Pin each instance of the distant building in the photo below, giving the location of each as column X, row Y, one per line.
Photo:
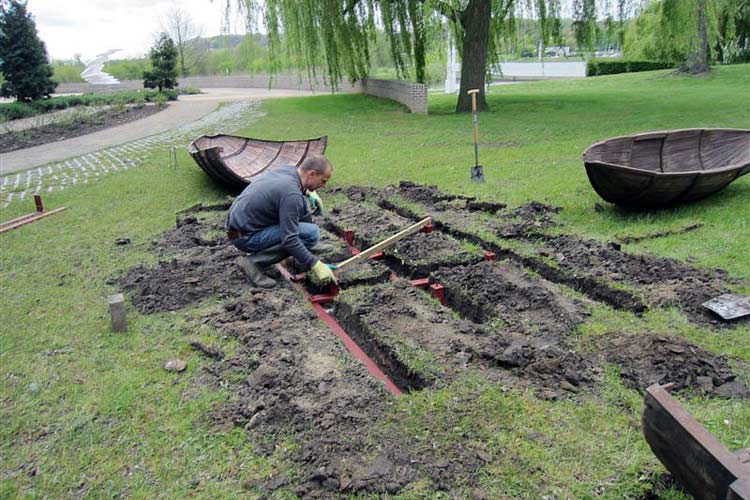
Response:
column 558, row 52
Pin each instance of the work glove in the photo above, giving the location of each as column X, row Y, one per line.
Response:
column 316, row 204
column 322, row 274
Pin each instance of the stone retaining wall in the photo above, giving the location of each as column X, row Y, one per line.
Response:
column 411, row 95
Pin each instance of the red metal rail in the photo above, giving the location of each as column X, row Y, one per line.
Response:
column 29, row 218
column 352, row 347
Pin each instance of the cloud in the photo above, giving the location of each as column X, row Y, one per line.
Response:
column 93, row 26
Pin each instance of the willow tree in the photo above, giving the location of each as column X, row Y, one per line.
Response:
column 335, row 34
column 693, row 33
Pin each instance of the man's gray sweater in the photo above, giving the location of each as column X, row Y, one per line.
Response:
column 274, row 198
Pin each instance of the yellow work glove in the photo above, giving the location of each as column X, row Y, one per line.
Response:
column 322, row 274
column 316, row 204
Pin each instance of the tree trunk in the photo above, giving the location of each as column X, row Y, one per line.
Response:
column 475, row 22
column 697, row 62
column 416, row 15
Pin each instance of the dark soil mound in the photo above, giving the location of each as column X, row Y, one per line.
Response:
column 179, row 282
column 646, row 359
column 662, row 281
column 504, row 291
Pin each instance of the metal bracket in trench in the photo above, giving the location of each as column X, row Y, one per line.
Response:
column 317, row 301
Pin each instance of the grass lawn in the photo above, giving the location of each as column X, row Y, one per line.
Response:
column 90, row 413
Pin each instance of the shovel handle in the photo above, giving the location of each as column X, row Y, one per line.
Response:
column 473, row 93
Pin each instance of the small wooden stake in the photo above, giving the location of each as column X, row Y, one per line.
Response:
column 117, row 312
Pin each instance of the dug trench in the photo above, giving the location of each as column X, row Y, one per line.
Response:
column 518, row 320
column 602, row 271
column 292, row 379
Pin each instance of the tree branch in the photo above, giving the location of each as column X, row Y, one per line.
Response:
column 446, row 10
column 350, row 7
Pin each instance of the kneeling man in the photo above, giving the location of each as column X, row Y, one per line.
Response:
column 271, row 220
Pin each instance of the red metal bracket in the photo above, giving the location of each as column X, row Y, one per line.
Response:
column 438, row 291
column 349, row 237
column 321, row 298
column 427, row 229
column 488, row 256
column 420, row 283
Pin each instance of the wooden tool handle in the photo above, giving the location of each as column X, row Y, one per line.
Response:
column 473, row 93
column 384, row 244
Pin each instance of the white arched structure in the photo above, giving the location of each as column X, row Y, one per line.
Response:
column 93, row 72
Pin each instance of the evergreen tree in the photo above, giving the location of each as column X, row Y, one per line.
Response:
column 163, row 74
column 23, row 56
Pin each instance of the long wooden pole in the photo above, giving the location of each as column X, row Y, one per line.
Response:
column 384, row 244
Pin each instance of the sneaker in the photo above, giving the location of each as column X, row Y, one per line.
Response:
column 321, row 248
column 255, row 273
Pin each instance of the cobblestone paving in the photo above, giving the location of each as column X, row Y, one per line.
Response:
column 82, row 169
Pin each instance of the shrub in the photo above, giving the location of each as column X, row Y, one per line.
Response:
column 16, row 110
column 598, row 67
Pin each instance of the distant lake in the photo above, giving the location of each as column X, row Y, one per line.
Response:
column 542, row 70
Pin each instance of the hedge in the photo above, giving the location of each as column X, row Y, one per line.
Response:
column 16, row 110
column 597, row 67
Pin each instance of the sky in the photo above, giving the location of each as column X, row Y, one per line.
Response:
column 90, row 27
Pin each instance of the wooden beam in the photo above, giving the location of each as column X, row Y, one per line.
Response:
column 384, row 244
column 697, row 460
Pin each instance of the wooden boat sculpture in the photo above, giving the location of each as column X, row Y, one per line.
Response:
column 233, row 160
column 657, row 169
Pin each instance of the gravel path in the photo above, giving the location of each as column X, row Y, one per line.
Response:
column 91, row 165
column 54, row 166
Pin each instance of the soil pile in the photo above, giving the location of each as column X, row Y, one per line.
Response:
column 422, row 344
column 646, row 359
column 662, row 281
column 503, row 291
column 202, row 265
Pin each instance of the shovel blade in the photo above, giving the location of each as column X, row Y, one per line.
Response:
column 477, row 174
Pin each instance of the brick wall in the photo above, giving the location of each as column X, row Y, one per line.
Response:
column 411, row 95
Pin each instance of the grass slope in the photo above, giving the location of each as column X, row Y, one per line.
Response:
column 90, row 413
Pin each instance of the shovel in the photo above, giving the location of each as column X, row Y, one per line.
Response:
column 477, row 172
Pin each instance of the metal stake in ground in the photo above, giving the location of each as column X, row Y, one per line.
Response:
column 477, row 172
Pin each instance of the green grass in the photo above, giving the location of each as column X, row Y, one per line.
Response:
column 104, row 419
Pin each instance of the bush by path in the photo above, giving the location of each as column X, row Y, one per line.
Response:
column 16, row 110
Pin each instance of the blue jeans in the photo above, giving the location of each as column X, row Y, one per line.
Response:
column 271, row 235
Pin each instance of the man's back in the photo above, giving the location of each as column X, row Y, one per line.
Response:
column 259, row 205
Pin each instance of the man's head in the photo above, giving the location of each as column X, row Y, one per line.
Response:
column 314, row 172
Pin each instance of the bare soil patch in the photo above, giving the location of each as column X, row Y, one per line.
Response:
column 292, row 380
column 647, row 359
column 74, row 125
column 602, row 271
column 416, row 256
column 423, row 344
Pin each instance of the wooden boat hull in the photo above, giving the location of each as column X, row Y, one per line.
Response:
column 697, row 460
column 659, row 169
column 233, row 160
